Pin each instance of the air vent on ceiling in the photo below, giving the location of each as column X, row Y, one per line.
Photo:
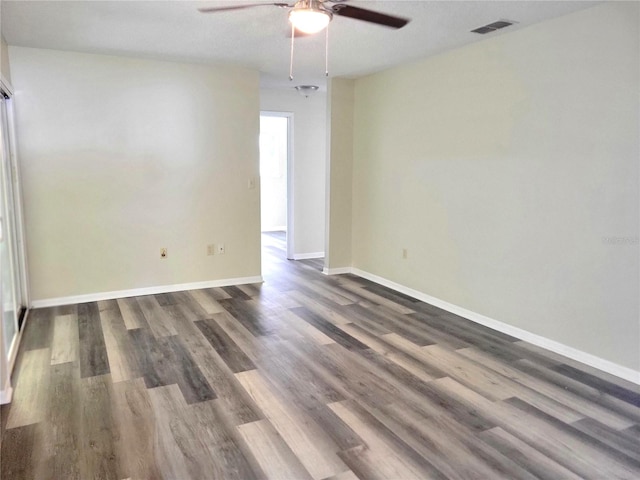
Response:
column 492, row 27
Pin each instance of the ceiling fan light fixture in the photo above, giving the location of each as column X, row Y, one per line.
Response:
column 309, row 20
column 306, row 90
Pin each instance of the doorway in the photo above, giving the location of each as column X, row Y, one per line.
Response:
column 276, row 209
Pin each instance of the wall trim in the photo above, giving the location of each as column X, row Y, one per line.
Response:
column 538, row 340
column 136, row 292
column 6, row 395
column 588, row 359
column 337, row 271
column 308, row 256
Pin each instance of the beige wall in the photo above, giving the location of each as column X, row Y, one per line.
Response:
column 121, row 157
column 509, row 170
column 5, row 69
column 309, row 163
column 339, row 187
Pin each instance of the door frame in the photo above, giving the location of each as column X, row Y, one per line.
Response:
column 290, row 182
column 17, row 193
column 7, row 359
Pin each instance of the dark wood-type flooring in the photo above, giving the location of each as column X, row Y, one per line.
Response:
column 303, row 377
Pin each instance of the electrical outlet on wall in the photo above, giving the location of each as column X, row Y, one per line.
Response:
column 163, row 253
column 220, row 249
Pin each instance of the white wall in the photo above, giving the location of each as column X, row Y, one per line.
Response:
column 309, row 163
column 506, row 168
column 121, row 157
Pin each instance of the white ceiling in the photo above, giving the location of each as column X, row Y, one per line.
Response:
column 257, row 38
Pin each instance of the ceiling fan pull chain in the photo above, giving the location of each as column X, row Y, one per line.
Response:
column 293, row 31
column 326, row 53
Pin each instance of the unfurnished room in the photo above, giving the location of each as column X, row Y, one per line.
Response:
column 321, row 240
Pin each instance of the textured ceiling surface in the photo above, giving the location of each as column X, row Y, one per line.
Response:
column 257, row 38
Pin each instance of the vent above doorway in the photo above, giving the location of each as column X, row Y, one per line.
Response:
column 492, row 27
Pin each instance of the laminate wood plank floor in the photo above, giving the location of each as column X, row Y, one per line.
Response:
column 303, row 377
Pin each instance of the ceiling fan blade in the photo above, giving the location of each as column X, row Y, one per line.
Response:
column 242, row 7
column 369, row 16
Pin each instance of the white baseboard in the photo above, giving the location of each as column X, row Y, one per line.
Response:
column 337, row 271
column 308, row 256
column 538, row 340
column 6, row 395
column 275, row 229
column 136, row 292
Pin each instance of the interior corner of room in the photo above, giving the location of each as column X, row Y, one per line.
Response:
column 508, row 195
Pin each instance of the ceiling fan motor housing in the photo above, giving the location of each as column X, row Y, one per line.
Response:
column 310, row 16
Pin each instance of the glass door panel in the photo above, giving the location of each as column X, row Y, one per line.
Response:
column 8, row 253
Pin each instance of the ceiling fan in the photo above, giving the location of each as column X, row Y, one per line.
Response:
column 312, row 16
